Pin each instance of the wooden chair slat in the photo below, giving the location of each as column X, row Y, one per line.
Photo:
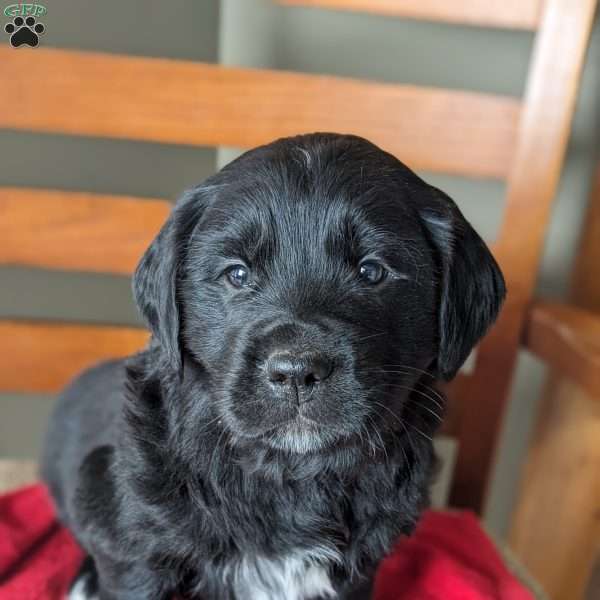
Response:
column 558, row 506
column 510, row 14
column 76, row 231
column 454, row 391
column 586, row 289
column 568, row 339
column 564, row 459
column 192, row 103
column 41, row 357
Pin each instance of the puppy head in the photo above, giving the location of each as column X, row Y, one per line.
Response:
column 313, row 281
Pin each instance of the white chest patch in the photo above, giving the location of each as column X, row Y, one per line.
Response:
column 78, row 591
column 293, row 578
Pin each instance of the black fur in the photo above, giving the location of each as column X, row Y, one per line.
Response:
column 171, row 466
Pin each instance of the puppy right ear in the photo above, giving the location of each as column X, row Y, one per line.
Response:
column 156, row 276
column 472, row 287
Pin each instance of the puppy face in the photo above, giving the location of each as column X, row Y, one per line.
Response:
column 301, row 297
column 314, row 281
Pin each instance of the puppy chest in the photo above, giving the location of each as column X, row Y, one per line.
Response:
column 293, row 577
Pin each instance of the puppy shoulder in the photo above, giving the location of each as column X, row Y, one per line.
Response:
column 95, row 497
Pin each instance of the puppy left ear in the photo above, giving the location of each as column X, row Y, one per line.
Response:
column 156, row 276
column 472, row 285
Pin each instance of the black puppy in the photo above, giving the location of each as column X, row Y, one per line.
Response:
column 274, row 439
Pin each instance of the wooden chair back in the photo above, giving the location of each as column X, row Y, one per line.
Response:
column 566, row 437
column 177, row 102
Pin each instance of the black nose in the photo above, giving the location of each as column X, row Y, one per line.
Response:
column 301, row 370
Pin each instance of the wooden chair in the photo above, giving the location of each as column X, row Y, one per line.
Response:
column 559, row 500
column 457, row 132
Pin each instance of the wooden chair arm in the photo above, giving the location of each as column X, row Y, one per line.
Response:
column 568, row 338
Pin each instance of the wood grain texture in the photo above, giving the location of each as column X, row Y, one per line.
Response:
column 191, row 103
column 43, row 356
column 585, row 290
column 550, row 95
column 568, row 339
column 556, row 529
column 454, row 391
column 558, row 503
column 514, row 14
column 76, row 231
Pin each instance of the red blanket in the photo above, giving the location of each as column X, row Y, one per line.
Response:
column 448, row 558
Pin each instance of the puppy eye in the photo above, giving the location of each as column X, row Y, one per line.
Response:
column 238, row 275
column 371, row 272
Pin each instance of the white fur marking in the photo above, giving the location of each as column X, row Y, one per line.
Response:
column 78, row 591
column 306, row 154
column 294, row 577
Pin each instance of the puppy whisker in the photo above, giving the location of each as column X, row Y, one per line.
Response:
column 411, row 368
column 431, row 411
column 373, row 335
column 436, row 397
column 408, row 437
column 370, row 442
column 375, row 429
column 399, row 420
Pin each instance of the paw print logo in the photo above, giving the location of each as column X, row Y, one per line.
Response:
column 24, row 32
